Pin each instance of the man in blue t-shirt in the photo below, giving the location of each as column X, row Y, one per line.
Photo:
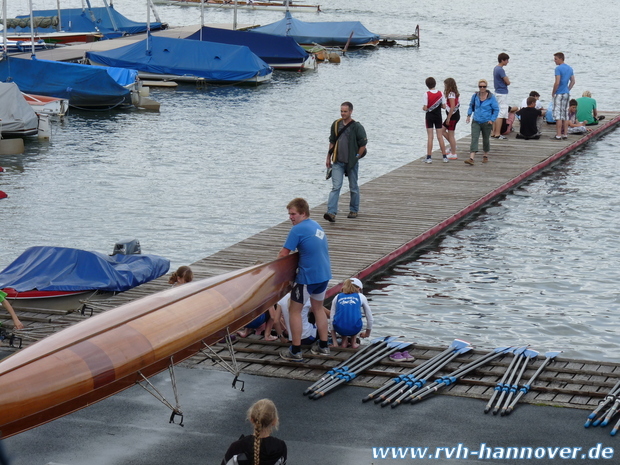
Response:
column 501, row 83
column 564, row 82
column 313, row 275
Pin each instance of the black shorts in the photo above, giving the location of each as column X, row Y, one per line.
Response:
column 433, row 120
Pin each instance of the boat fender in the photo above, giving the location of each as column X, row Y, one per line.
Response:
column 3, row 195
column 1, row 169
column 334, row 57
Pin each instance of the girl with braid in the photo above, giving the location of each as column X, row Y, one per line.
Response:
column 261, row 448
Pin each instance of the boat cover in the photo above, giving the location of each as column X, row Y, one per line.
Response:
column 64, row 269
column 211, row 61
column 83, row 85
column 18, row 117
column 99, row 19
column 329, row 34
column 273, row 49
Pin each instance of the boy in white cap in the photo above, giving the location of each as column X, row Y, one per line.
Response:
column 346, row 314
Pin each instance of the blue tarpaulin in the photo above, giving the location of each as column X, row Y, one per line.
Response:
column 64, row 269
column 273, row 49
column 99, row 19
column 329, row 34
column 84, row 85
column 186, row 59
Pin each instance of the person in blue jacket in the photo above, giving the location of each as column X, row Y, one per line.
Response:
column 484, row 108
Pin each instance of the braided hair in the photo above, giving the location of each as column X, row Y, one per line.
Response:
column 264, row 416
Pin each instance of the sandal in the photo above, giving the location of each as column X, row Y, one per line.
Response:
column 485, row 159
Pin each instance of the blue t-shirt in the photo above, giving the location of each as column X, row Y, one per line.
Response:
column 309, row 239
column 498, row 80
column 565, row 72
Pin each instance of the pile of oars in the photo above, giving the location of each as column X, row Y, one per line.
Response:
column 453, row 377
column 397, row 389
column 607, row 408
column 354, row 365
column 509, row 384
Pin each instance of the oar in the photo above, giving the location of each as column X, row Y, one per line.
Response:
column 394, row 382
column 345, row 377
column 609, row 415
column 454, row 377
column 421, row 382
column 374, row 345
column 529, row 354
column 500, row 384
column 603, row 403
column 526, row 387
column 506, row 386
column 416, row 379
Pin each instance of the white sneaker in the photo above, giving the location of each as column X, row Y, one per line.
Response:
column 445, row 159
column 502, row 137
column 453, row 156
column 428, row 160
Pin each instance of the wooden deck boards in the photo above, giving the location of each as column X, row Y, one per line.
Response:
column 400, row 212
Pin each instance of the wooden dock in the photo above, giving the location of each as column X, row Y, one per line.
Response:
column 400, row 212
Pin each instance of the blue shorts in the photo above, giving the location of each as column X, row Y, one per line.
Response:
column 259, row 320
column 301, row 292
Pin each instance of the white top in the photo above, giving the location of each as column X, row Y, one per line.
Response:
column 538, row 104
column 308, row 329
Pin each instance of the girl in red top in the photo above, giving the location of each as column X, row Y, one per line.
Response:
column 451, row 93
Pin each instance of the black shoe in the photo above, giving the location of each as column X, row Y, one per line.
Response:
column 330, row 217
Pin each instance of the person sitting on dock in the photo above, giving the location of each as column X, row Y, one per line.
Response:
column 346, row 314
column 347, row 144
column 529, row 115
column 261, row 448
column 9, row 308
column 308, row 330
column 182, row 275
column 575, row 126
column 433, row 102
column 586, row 109
column 484, row 109
column 313, row 275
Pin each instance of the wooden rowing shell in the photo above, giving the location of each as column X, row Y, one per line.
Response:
column 105, row 354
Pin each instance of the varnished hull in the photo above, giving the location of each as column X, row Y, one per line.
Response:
column 105, row 354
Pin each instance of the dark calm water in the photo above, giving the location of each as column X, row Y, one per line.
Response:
column 218, row 165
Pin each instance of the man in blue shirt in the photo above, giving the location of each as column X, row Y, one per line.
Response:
column 313, row 275
column 564, row 82
column 501, row 83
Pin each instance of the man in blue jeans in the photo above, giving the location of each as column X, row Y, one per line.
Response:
column 347, row 144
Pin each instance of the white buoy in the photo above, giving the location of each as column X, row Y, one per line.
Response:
column 45, row 131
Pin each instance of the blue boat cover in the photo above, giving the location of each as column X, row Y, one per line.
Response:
column 329, row 34
column 190, row 58
column 97, row 19
column 273, row 49
column 83, row 85
column 64, row 269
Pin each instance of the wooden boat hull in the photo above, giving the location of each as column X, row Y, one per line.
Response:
column 56, row 300
column 108, row 353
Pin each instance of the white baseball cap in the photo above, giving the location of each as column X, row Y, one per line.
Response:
column 357, row 282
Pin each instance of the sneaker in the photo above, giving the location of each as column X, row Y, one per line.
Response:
column 402, row 356
column 330, row 217
column 469, row 161
column 428, row 160
column 485, row 159
column 502, row 137
column 600, row 117
column 316, row 350
column 352, row 215
column 555, row 138
column 286, row 354
column 445, row 159
column 453, row 156
column 564, row 137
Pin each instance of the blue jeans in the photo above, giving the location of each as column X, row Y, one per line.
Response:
column 334, row 195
